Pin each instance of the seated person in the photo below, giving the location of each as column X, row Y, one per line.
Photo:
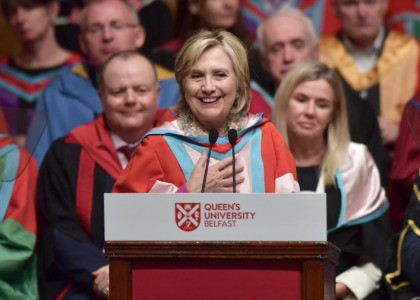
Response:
column 24, row 76
column 286, row 39
column 212, row 70
column 374, row 63
column 80, row 168
column 107, row 27
column 310, row 112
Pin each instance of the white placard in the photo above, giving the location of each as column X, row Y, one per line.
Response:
column 215, row 217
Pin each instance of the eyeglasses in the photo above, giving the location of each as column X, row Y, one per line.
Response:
column 354, row 3
column 115, row 26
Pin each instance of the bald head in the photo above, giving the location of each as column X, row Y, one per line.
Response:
column 129, row 93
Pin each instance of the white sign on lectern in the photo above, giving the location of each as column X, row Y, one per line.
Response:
column 215, row 217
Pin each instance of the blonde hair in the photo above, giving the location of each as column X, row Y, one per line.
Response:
column 203, row 40
column 336, row 135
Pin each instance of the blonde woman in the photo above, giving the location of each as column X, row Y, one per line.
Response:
column 213, row 74
column 310, row 112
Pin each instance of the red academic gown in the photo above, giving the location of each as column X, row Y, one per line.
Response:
column 74, row 176
column 166, row 157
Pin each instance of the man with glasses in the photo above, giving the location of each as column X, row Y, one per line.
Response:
column 377, row 64
column 107, row 27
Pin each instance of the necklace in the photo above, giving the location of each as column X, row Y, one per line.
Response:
column 191, row 127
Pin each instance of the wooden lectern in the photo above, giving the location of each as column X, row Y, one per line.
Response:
column 144, row 269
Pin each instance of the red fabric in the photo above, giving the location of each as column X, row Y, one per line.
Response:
column 273, row 163
column 406, row 162
column 157, row 162
column 3, row 123
column 27, row 86
column 95, row 139
column 168, row 172
column 97, row 147
column 85, row 186
column 64, row 292
column 259, row 105
column 234, row 280
column 127, row 151
column 21, row 206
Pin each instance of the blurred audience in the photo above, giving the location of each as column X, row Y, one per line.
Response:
column 24, row 76
column 310, row 112
column 80, row 168
column 376, row 64
column 67, row 27
column 405, row 162
column 285, row 40
column 155, row 15
column 156, row 18
column 107, row 27
column 194, row 15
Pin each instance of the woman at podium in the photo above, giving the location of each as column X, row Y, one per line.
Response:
column 194, row 152
column 310, row 112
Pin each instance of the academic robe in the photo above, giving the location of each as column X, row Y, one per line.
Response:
column 356, row 215
column 18, row 228
column 404, row 261
column 166, row 157
column 77, row 171
column 390, row 84
column 20, row 88
column 406, row 162
column 72, row 100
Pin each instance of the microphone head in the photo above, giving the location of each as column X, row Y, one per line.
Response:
column 213, row 136
column 233, row 136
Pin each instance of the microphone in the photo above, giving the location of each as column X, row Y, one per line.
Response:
column 213, row 136
column 233, row 136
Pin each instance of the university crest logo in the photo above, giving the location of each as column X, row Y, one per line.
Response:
column 187, row 215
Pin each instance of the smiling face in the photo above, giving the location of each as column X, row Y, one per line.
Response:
column 287, row 43
column 210, row 88
column 109, row 27
column 216, row 13
column 129, row 96
column 310, row 110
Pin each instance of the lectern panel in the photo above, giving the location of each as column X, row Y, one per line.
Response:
column 233, row 280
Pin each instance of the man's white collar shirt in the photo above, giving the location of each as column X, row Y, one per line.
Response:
column 365, row 60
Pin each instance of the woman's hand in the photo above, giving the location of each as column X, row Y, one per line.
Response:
column 101, row 284
column 219, row 176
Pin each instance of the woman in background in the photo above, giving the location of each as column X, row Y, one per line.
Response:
column 310, row 112
column 194, row 15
